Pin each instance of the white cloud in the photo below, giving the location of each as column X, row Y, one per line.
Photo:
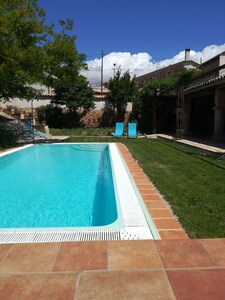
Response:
column 141, row 63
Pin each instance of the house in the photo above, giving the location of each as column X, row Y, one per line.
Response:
column 169, row 71
column 204, row 100
column 200, row 108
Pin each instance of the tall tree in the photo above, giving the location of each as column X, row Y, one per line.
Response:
column 122, row 89
column 62, row 69
column 33, row 52
column 74, row 95
column 159, row 93
column 22, row 31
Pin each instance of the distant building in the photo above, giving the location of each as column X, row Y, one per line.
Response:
column 169, row 71
column 100, row 93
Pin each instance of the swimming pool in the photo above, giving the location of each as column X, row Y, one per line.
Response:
column 57, row 186
column 46, row 195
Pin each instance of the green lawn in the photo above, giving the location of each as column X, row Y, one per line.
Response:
column 191, row 182
column 83, row 131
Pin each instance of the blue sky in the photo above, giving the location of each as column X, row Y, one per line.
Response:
column 160, row 28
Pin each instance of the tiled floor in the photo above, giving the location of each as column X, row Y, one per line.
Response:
column 172, row 268
column 166, row 269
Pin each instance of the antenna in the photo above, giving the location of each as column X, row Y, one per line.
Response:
column 102, row 73
column 114, row 69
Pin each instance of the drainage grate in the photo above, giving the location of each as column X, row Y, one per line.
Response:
column 44, row 236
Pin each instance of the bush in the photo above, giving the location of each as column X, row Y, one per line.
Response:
column 8, row 136
column 179, row 133
column 91, row 119
column 57, row 117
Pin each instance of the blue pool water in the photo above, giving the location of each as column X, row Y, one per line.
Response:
column 61, row 185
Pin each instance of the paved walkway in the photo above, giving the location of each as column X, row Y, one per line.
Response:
column 215, row 148
column 172, row 268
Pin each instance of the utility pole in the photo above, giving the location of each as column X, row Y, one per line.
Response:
column 102, row 74
column 114, row 70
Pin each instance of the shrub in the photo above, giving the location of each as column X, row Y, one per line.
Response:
column 91, row 119
column 8, row 136
column 179, row 133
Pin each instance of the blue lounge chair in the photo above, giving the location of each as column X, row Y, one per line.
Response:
column 132, row 130
column 119, row 129
column 33, row 131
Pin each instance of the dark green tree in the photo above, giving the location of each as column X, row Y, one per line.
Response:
column 74, row 95
column 63, row 68
column 158, row 97
column 33, row 52
column 122, row 89
column 22, row 32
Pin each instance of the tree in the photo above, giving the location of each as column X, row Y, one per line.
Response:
column 122, row 89
column 74, row 95
column 22, row 31
column 33, row 52
column 158, row 97
column 63, row 68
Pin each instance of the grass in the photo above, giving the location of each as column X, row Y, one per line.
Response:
column 103, row 131
column 191, row 182
column 193, row 185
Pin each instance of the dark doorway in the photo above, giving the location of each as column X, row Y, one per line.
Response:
column 166, row 114
column 202, row 115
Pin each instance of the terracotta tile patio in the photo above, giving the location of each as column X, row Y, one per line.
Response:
column 164, row 269
column 172, row 268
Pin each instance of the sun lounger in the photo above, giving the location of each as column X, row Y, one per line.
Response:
column 33, row 131
column 132, row 130
column 119, row 129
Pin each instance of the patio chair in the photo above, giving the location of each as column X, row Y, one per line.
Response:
column 34, row 131
column 132, row 130
column 119, row 129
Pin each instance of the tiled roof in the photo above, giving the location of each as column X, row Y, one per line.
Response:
column 205, row 83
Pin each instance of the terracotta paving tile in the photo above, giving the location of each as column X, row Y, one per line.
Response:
column 141, row 181
column 160, row 213
column 153, row 197
column 30, row 258
column 198, row 284
column 167, row 224
column 173, row 235
column 128, row 255
column 81, row 256
column 139, row 176
column 133, row 168
column 143, row 186
column 139, row 172
column 143, row 285
column 132, row 163
column 147, row 190
column 216, row 249
column 38, row 286
column 155, row 204
column 183, row 254
column 4, row 249
column 129, row 158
